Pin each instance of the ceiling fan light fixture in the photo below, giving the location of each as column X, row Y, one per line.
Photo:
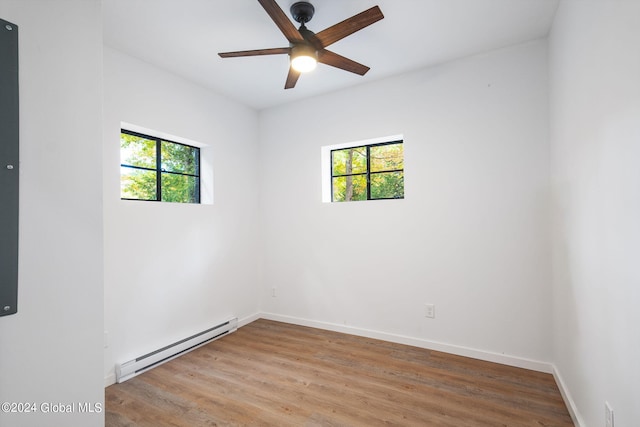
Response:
column 304, row 58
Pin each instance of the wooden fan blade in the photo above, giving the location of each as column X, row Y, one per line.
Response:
column 256, row 52
column 349, row 26
column 292, row 78
column 339, row 61
column 281, row 20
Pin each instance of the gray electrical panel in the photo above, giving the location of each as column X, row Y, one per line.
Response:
column 9, row 168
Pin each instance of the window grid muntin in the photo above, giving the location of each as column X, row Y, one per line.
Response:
column 158, row 169
column 368, row 172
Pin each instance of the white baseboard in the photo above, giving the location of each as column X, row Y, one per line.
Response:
column 503, row 359
column 109, row 379
column 568, row 400
column 246, row 320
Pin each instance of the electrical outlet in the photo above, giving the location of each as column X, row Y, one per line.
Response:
column 273, row 292
column 106, row 339
column 430, row 311
column 608, row 414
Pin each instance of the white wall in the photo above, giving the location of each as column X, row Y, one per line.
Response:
column 51, row 350
column 595, row 134
column 472, row 234
column 172, row 270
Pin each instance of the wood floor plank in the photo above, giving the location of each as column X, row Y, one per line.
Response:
column 277, row 374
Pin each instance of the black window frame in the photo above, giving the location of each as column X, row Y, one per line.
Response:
column 158, row 169
column 368, row 172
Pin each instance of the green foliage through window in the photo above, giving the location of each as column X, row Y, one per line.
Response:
column 158, row 170
column 368, row 172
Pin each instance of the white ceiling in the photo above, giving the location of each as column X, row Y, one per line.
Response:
column 184, row 37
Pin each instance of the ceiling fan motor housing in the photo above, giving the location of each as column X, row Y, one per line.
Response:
column 302, row 11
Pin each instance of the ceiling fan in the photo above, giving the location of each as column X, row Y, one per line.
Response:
column 306, row 48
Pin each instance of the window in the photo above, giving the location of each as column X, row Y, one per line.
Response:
column 368, row 172
column 158, row 170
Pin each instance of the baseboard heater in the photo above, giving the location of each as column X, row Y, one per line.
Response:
column 130, row 369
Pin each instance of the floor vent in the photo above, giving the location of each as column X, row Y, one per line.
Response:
column 130, row 369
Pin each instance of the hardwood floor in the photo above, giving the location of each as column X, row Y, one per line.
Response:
column 276, row 374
